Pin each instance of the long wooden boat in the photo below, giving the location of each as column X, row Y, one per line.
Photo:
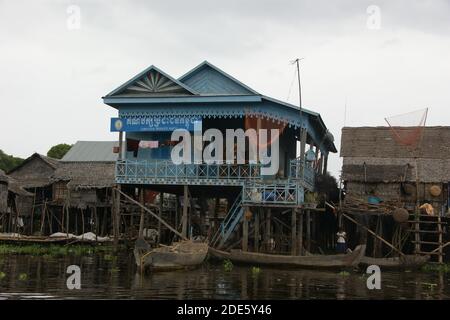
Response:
column 403, row 262
column 180, row 255
column 308, row 261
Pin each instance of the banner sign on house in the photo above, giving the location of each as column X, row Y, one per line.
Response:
column 152, row 124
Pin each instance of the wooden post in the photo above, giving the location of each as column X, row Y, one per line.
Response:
column 294, row 232
column 67, row 220
column 116, row 215
column 268, row 227
column 161, row 207
column 76, row 221
column 325, row 164
column 303, row 138
column 142, row 219
column 42, row 217
column 300, row 233
column 62, row 217
column 245, row 230
column 32, row 212
column 97, row 227
column 440, row 257
column 308, row 230
column 184, row 218
column 256, row 227
column 82, row 221
column 120, row 145
column 177, row 212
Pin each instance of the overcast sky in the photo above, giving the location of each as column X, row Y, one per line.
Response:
column 53, row 74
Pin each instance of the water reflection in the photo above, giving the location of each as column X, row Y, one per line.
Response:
column 27, row 277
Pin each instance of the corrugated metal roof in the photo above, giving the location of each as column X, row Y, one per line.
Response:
column 92, row 151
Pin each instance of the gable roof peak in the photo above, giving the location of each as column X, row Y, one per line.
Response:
column 214, row 81
column 152, row 81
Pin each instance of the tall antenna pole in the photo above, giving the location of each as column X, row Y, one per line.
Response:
column 297, row 61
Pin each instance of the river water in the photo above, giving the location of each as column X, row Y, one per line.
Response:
column 107, row 277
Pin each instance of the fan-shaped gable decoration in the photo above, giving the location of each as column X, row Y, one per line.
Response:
column 152, row 82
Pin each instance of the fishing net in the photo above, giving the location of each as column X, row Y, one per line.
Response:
column 407, row 128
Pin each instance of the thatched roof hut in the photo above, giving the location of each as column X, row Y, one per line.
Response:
column 35, row 171
column 371, row 154
column 85, row 175
column 3, row 191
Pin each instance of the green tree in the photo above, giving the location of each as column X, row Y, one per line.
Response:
column 59, row 150
column 8, row 162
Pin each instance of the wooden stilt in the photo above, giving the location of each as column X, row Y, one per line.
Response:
column 440, row 257
column 82, row 221
column 300, row 233
column 67, row 220
column 256, row 228
column 32, row 212
column 142, row 218
column 184, row 218
column 97, row 227
column 294, row 232
column 117, row 215
column 267, row 237
column 245, row 230
column 160, row 213
column 49, row 220
column 42, row 217
column 308, row 230
column 63, row 213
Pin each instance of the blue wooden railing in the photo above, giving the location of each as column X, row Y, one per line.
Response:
column 280, row 193
column 166, row 172
column 302, row 171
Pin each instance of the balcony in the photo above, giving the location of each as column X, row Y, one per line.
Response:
column 289, row 193
column 303, row 172
column 166, row 172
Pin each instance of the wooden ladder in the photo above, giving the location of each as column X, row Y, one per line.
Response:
column 422, row 228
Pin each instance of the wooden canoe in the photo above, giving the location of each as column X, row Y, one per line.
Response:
column 180, row 255
column 404, row 262
column 308, row 261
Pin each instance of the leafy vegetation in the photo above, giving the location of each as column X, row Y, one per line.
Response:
column 255, row 272
column 227, row 265
column 23, row 276
column 52, row 250
column 433, row 267
column 58, row 151
column 8, row 162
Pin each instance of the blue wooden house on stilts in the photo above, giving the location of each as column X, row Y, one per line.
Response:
column 153, row 104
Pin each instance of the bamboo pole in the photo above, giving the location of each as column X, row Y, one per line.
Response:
column 374, row 234
column 153, row 214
